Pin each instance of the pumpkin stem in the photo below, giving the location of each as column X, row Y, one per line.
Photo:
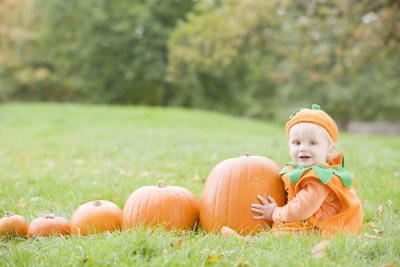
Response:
column 162, row 184
column 97, row 203
column 49, row 216
column 9, row 214
column 245, row 154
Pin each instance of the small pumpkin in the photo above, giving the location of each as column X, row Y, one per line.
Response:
column 13, row 225
column 231, row 188
column 96, row 217
column 173, row 207
column 48, row 225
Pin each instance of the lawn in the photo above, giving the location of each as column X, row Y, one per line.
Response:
column 55, row 157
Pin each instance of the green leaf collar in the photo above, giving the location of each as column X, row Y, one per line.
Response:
column 324, row 173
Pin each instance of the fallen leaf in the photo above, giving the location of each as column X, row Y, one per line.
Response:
column 371, row 224
column 371, row 236
column 318, row 251
column 241, row 262
column 377, row 232
column 196, row 178
column 180, row 241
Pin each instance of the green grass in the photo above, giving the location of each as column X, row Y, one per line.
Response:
column 55, row 157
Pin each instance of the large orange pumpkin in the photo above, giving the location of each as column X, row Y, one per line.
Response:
column 48, row 225
column 173, row 207
column 96, row 217
column 231, row 188
column 13, row 225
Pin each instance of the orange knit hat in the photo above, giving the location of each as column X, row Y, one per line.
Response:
column 314, row 115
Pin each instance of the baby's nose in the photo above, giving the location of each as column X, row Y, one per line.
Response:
column 303, row 147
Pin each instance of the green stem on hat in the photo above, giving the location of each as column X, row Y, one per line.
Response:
column 315, row 107
column 291, row 116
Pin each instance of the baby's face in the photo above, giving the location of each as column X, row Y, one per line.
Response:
column 308, row 144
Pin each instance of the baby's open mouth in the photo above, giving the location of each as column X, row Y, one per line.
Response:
column 305, row 157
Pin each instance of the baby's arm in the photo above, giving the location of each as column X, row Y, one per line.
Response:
column 303, row 205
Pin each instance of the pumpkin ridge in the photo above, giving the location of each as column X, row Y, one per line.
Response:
column 130, row 206
column 233, row 170
column 172, row 212
column 143, row 199
column 236, row 168
column 142, row 204
column 164, row 196
column 182, row 204
column 188, row 198
column 154, row 196
column 176, row 213
column 253, row 169
column 214, row 199
column 225, row 191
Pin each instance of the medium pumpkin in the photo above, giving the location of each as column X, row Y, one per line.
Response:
column 48, row 225
column 96, row 217
column 173, row 207
column 231, row 188
column 13, row 225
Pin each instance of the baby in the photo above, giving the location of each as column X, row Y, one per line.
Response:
column 320, row 197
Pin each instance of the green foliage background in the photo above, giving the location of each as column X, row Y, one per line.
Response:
column 255, row 58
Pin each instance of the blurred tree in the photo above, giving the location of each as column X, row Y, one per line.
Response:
column 220, row 59
column 346, row 57
column 255, row 55
column 111, row 51
column 19, row 65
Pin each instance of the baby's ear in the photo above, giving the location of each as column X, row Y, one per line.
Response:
column 331, row 150
column 332, row 147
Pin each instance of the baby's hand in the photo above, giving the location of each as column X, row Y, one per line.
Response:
column 264, row 210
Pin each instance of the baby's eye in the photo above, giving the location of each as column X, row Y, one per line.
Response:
column 313, row 143
column 296, row 143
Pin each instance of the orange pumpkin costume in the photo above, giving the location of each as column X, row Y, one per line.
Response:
column 333, row 206
column 320, row 197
